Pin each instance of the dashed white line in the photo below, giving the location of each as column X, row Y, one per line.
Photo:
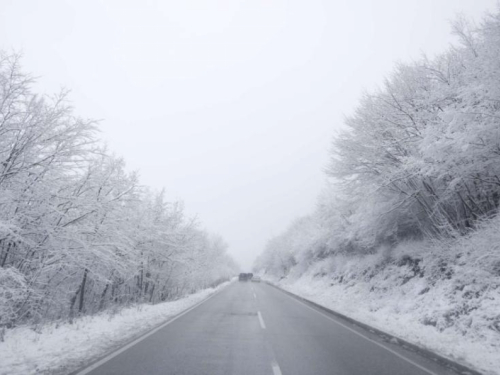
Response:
column 276, row 368
column 255, row 295
column 261, row 320
column 274, row 364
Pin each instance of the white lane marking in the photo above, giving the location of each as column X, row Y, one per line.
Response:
column 276, row 368
column 261, row 320
column 366, row 338
column 128, row 346
column 254, row 295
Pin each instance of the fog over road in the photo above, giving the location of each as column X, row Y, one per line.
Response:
column 252, row 328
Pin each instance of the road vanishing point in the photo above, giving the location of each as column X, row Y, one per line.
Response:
column 252, row 328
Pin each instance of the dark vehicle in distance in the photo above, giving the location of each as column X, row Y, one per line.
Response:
column 245, row 276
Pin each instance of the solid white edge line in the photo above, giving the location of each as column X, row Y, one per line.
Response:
column 261, row 320
column 366, row 338
column 136, row 341
column 276, row 368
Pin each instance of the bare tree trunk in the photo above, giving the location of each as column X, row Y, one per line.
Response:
column 4, row 260
column 103, row 295
column 82, row 290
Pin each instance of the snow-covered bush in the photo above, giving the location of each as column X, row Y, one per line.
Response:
column 13, row 292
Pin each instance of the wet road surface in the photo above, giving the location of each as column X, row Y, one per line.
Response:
column 252, row 328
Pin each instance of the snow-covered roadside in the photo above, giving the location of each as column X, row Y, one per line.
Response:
column 62, row 348
column 412, row 310
column 472, row 354
column 442, row 295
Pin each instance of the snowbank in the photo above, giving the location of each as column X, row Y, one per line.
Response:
column 62, row 348
column 443, row 296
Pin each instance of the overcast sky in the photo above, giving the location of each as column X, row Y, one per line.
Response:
column 228, row 104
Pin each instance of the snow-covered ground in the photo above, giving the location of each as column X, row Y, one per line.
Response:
column 62, row 348
column 447, row 301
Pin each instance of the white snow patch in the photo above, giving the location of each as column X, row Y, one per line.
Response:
column 441, row 295
column 62, row 348
column 478, row 350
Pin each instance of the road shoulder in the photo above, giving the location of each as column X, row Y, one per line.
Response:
column 391, row 342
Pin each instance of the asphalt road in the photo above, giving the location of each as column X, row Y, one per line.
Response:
column 252, row 328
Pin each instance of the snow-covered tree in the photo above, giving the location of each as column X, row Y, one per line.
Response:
column 78, row 234
column 419, row 157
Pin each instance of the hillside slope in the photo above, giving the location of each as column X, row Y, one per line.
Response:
column 441, row 295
